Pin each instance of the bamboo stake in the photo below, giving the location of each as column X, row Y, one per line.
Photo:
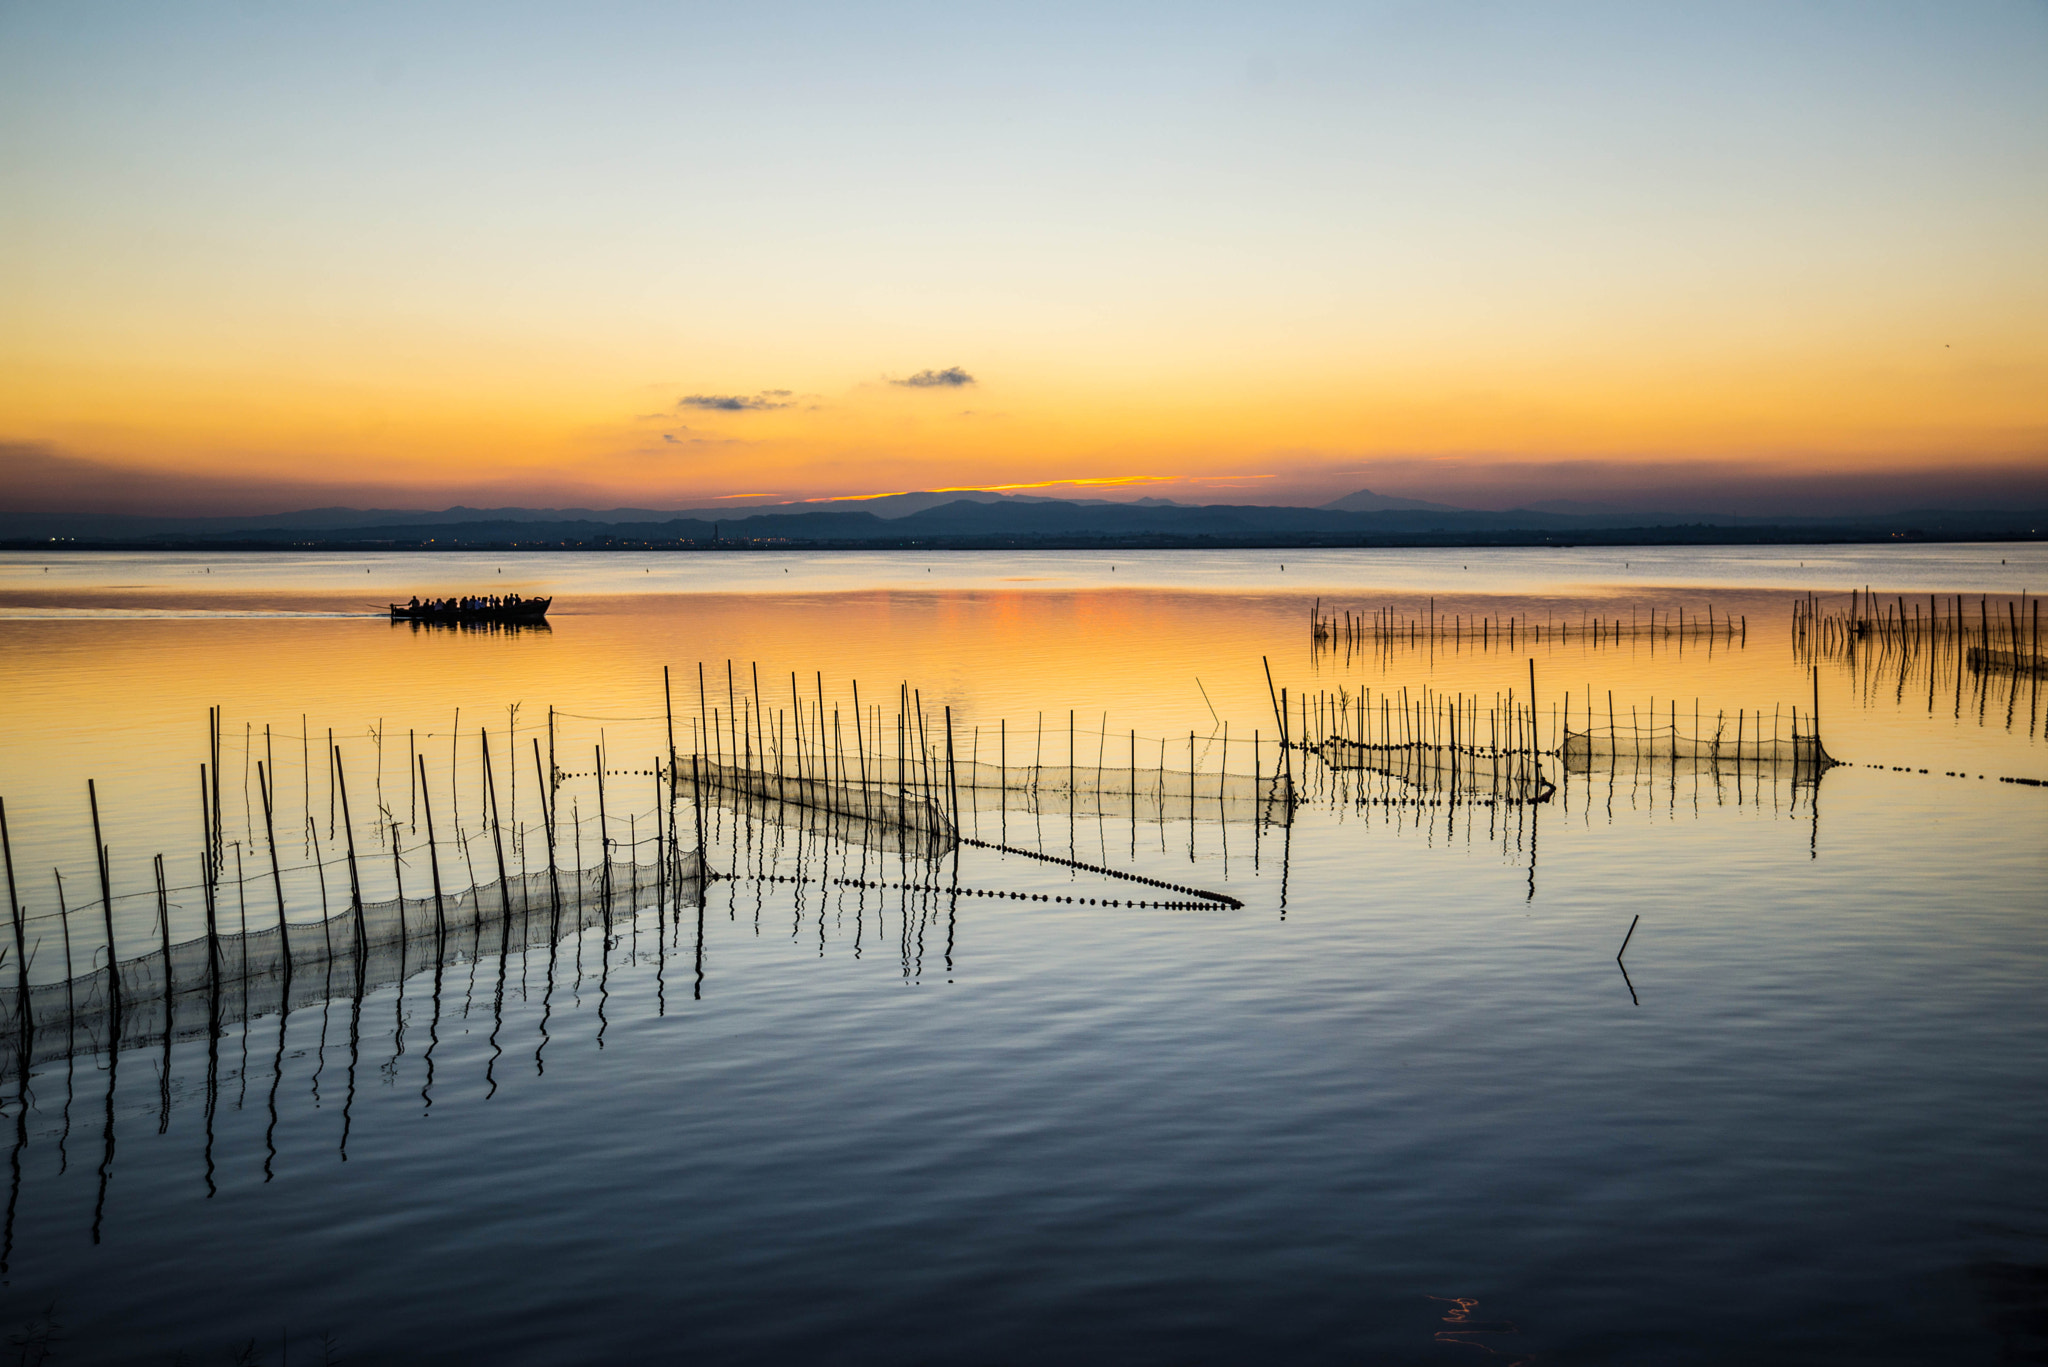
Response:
column 20, row 930
column 355, row 882
column 284, row 942
column 433, row 855
column 107, row 912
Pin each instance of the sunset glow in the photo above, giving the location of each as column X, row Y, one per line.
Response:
column 647, row 264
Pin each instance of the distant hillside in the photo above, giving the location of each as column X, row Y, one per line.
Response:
column 1366, row 501
column 983, row 521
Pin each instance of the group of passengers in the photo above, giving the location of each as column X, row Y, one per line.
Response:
column 483, row 602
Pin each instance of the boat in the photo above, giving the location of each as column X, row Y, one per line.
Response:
column 473, row 609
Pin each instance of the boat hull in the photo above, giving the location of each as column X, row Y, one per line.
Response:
column 529, row 613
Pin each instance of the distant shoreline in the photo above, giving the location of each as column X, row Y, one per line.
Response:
column 1789, row 535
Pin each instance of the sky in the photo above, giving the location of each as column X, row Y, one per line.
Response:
column 258, row 257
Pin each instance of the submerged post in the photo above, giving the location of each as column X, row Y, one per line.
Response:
column 355, row 882
column 206, row 884
column 547, row 816
column 107, row 911
column 497, row 830
column 14, row 912
column 697, row 799
column 604, row 840
column 664, row 835
column 398, row 883
column 953, row 782
column 163, row 925
column 433, row 855
column 284, row 942
column 668, row 704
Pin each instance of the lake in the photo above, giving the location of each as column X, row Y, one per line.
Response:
column 1164, row 1043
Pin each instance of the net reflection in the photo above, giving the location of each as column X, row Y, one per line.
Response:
column 577, row 928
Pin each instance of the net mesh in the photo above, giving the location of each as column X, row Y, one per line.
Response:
column 1475, row 773
column 861, row 813
column 1731, row 743
column 918, row 819
column 203, row 985
column 1124, row 791
column 2006, row 662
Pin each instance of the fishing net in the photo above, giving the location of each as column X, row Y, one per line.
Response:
column 203, row 985
column 867, row 814
column 915, row 819
column 1741, row 741
column 2006, row 662
column 1125, row 792
column 1470, row 773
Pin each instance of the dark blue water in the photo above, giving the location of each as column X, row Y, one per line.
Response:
column 1403, row 1106
column 1417, row 1111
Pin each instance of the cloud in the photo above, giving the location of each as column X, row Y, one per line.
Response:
column 35, row 477
column 952, row 377
column 737, row 403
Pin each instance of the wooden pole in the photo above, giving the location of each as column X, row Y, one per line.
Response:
column 703, row 708
column 213, row 723
column 547, row 819
column 163, row 926
column 860, row 750
column 760, row 738
column 604, row 842
column 107, row 913
column 497, row 829
column 1533, row 738
column 433, row 854
column 206, row 886
column 398, row 878
column 697, row 800
column 953, row 781
column 20, row 931
column 355, row 882
column 284, row 943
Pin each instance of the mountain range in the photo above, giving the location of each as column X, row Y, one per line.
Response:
column 979, row 518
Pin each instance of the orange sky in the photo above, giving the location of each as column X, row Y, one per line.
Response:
column 1266, row 263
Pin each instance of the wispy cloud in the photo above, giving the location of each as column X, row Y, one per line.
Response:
column 676, row 439
column 952, row 377
column 853, row 498
column 737, row 403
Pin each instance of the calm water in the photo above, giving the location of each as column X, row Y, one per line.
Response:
column 1403, row 1106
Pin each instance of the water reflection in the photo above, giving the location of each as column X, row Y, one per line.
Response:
column 1199, row 1071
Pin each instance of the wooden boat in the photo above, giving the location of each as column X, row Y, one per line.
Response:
column 526, row 611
